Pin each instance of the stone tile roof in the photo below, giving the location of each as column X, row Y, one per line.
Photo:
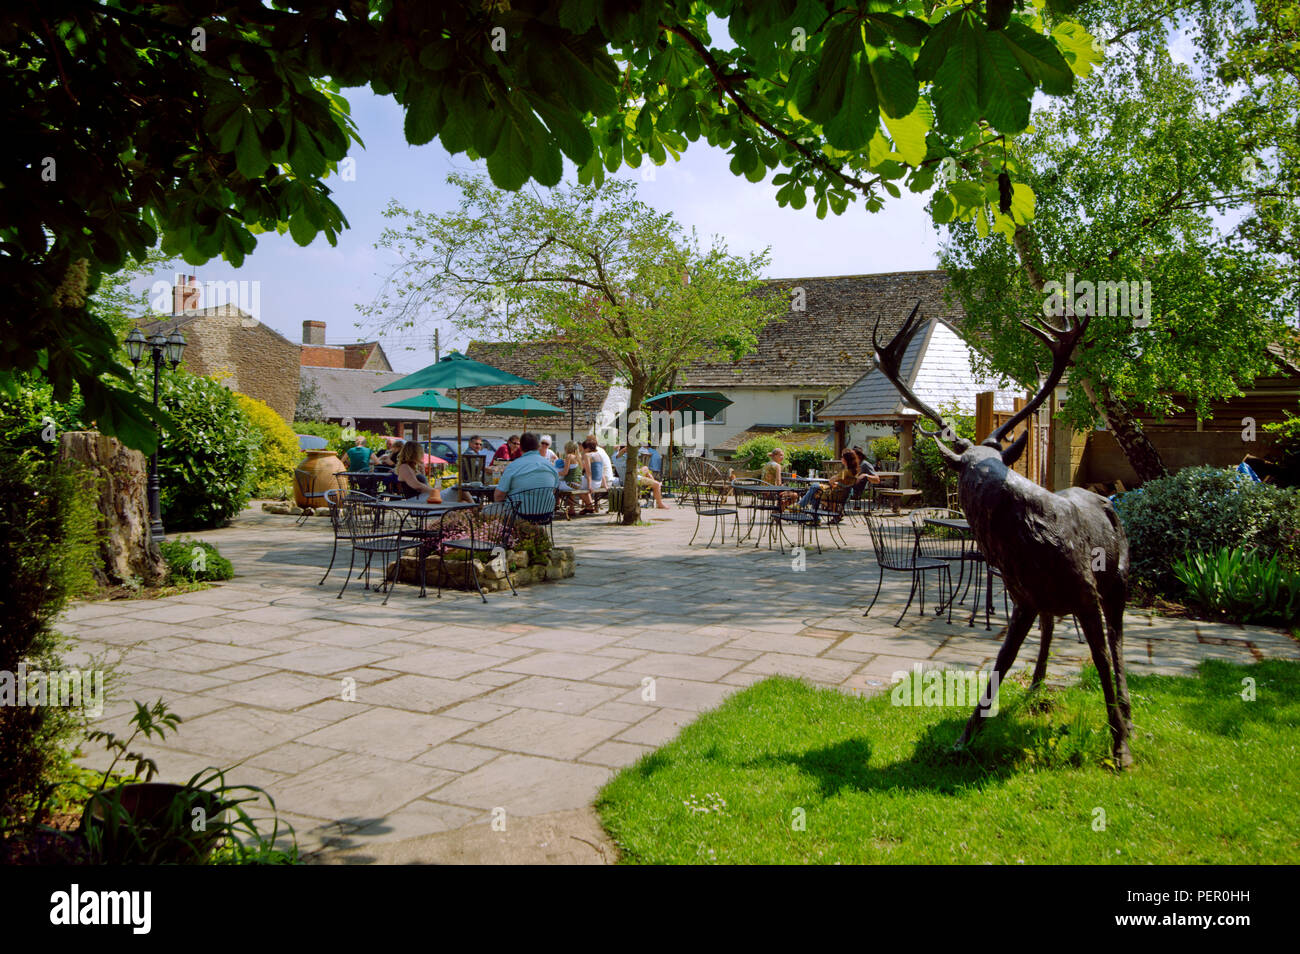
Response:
column 829, row 343
column 350, row 392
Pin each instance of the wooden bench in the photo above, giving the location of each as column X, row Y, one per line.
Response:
column 896, row 497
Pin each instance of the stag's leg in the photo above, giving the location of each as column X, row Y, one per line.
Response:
column 1113, row 606
column 1021, row 620
column 1045, row 624
column 1091, row 618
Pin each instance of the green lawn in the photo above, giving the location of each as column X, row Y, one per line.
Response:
column 1215, row 779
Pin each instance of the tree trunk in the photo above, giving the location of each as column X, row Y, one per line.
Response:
column 127, row 549
column 1138, row 449
column 631, row 512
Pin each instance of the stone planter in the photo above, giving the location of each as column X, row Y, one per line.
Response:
column 492, row 574
column 322, row 465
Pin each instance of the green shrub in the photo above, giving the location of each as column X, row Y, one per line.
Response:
column 194, row 561
column 930, row 475
column 807, row 460
column 1242, row 585
column 1203, row 510
column 340, row 438
column 752, row 455
column 207, row 456
column 47, row 552
column 33, row 419
column 883, row 448
column 277, row 452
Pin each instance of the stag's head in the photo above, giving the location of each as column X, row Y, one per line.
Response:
column 957, row 452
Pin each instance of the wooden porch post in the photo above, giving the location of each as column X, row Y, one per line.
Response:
column 983, row 415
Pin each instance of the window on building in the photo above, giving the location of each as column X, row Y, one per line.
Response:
column 805, row 411
column 719, row 418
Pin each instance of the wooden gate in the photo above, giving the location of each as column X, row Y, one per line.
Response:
column 1033, row 462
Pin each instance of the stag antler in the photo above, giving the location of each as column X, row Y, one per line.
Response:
column 1059, row 341
column 890, row 361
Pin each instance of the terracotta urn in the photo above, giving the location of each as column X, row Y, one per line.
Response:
column 322, row 465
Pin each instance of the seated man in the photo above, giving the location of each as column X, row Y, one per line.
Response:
column 358, row 456
column 531, row 471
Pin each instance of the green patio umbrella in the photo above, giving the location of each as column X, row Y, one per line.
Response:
column 430, row 401
column 524, row 405
column 707, row 403
column 455, row 371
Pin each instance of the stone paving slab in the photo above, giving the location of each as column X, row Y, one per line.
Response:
column 394, row 732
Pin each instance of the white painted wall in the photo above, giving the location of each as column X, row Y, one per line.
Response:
column 758, row 406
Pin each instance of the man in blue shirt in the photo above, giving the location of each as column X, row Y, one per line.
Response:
column 358, row 457
column 531, row 471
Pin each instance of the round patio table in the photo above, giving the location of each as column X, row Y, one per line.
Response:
column 969, row 546
column 422, row 512
column 369, row 481
column 770, row 507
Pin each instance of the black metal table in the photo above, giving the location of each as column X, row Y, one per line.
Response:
column 962, row 526
column 765, row 490
column 422, row 511
column 369, row 481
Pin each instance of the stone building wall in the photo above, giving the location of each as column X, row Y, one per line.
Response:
column 244, row 354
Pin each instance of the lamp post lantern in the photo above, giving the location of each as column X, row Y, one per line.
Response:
column 168, row 348
column 574, row 393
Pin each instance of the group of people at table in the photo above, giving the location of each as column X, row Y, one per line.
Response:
column 856, row 472
column 527, row 462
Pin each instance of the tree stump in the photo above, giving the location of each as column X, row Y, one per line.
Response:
column 119, row 477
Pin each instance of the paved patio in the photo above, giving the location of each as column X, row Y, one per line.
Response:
column 528, row 704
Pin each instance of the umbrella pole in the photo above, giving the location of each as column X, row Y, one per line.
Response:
column 460, row 453
column 668, row 467
column 430, row 426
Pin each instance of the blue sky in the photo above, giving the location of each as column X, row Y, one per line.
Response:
column 326, row 283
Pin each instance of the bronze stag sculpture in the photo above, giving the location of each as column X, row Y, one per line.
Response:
column 1058, row 553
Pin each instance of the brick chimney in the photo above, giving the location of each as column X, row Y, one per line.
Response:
column 185, row 294
column 313, row 332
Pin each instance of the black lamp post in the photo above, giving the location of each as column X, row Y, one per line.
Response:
column 162, row 348
column 574, row 393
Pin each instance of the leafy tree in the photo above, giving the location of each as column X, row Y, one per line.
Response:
column 1149, row 172
column 605, row 277
column 200, row 125
column 310, row 405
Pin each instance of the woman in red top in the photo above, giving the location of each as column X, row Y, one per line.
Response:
column 509, row 450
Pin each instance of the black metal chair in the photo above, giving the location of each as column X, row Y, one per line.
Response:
column 896, row 544
column 761, row 507
column 827, row 511
column 942, row 543
column 489, row 532
column 374, row 529
column 537, row 506
column 334, row 499
column 312, row 489
column 471, row 467
column 707, row 501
